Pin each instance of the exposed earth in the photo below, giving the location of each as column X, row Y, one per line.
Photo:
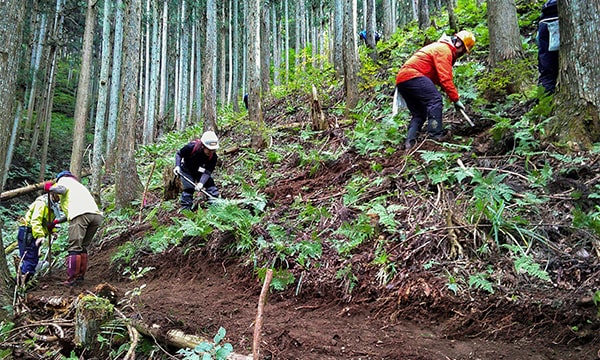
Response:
column 414, row 316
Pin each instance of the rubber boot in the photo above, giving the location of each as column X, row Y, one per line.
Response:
column 73, row 269
column 187, row 200
column 83, row 267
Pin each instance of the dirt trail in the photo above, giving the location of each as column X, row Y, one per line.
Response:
column 198, row 296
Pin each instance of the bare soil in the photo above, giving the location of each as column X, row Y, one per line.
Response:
column 415, row 316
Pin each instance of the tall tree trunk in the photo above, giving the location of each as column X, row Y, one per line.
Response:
column 127, row 181
column 162, row 105
column 451, row 16
column 230, row 51
column 287, row 42
column 210, row 62
column 371, row 17
column 154, row 71
column 276, row 48
column 11, row 20
column 44, row 115
column 100, row 130
column 349, row 53
column 503, row 26
column 223, row 58
column 388, row 18
column 265, row 48
column 577, row 119
column 235, row 68
column 36, row 58
column 81, row 104
column 115, row 87
column 423, row 14
column 338, row 42
column 254, row 86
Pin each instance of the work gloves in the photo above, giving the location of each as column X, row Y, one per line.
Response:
column 459, row 106
column 199, row 186
column 177, row 171
column 51, row 225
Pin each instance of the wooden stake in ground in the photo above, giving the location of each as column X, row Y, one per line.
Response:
column 259, row 314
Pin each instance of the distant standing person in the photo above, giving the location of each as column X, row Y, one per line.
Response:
column 417, row 79
column 84, row 216
column 363, row 36
column 37, row 224
column 548, row 40
column 194, row 164
column 246, row 100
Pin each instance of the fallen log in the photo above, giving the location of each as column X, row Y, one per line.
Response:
column 27, row 189
column 179, row 339
column 21, row 191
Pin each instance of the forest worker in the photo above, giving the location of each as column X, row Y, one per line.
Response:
column 84, row 216
column 417, row 79
column 37, row 224
column 548, row 46
column 194, row 164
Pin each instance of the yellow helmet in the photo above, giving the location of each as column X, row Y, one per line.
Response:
column 467, row 38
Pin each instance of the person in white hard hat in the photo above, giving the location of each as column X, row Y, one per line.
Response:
column 194, row 164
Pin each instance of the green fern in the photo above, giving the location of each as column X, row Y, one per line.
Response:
column 481, row 281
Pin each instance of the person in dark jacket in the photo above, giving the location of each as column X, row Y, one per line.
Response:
column 363, row 36
column 547, row 55
column 417, row 79
column 194, row 164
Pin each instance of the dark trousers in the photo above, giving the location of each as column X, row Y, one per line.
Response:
column 547, row 60
column 187, row 196
column 424, row 102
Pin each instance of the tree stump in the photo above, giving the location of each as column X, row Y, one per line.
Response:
column 92, row 312
column 316, row 113
column 172, row 184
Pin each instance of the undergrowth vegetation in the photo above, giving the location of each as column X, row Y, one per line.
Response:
column 496, row 210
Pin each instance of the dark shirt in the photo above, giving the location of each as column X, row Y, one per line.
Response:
column 549, row 10
column 194, row 161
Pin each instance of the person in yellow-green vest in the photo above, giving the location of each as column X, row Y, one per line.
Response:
column 37, row 224
column 84, row 216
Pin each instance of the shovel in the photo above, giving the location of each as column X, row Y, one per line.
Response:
column 467, row 117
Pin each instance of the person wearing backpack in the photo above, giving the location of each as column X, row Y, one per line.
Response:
column 194, row 164
column 548, row 40
column 37, row 224
column 417, row 79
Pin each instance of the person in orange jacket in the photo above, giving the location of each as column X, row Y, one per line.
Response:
column 417, row 79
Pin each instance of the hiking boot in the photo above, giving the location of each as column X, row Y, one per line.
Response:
column 409, row 144
column 445, row 136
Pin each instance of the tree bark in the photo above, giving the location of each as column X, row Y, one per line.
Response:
column 254, row 87
column 209, row 103
column 115, row 86
column 349, row 54
column 81, row 104
column 577, row 113
column 503, row 25
column 127, row 181
column 100, row 129
column 11, row 20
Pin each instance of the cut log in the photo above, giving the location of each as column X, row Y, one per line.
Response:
column 21, row 191
column 179, row 339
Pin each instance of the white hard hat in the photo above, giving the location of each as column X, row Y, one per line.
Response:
column 210, row 140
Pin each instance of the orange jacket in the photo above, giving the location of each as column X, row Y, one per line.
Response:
column 434, row 61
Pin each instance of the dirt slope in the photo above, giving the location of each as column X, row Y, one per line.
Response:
column 413, row 317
